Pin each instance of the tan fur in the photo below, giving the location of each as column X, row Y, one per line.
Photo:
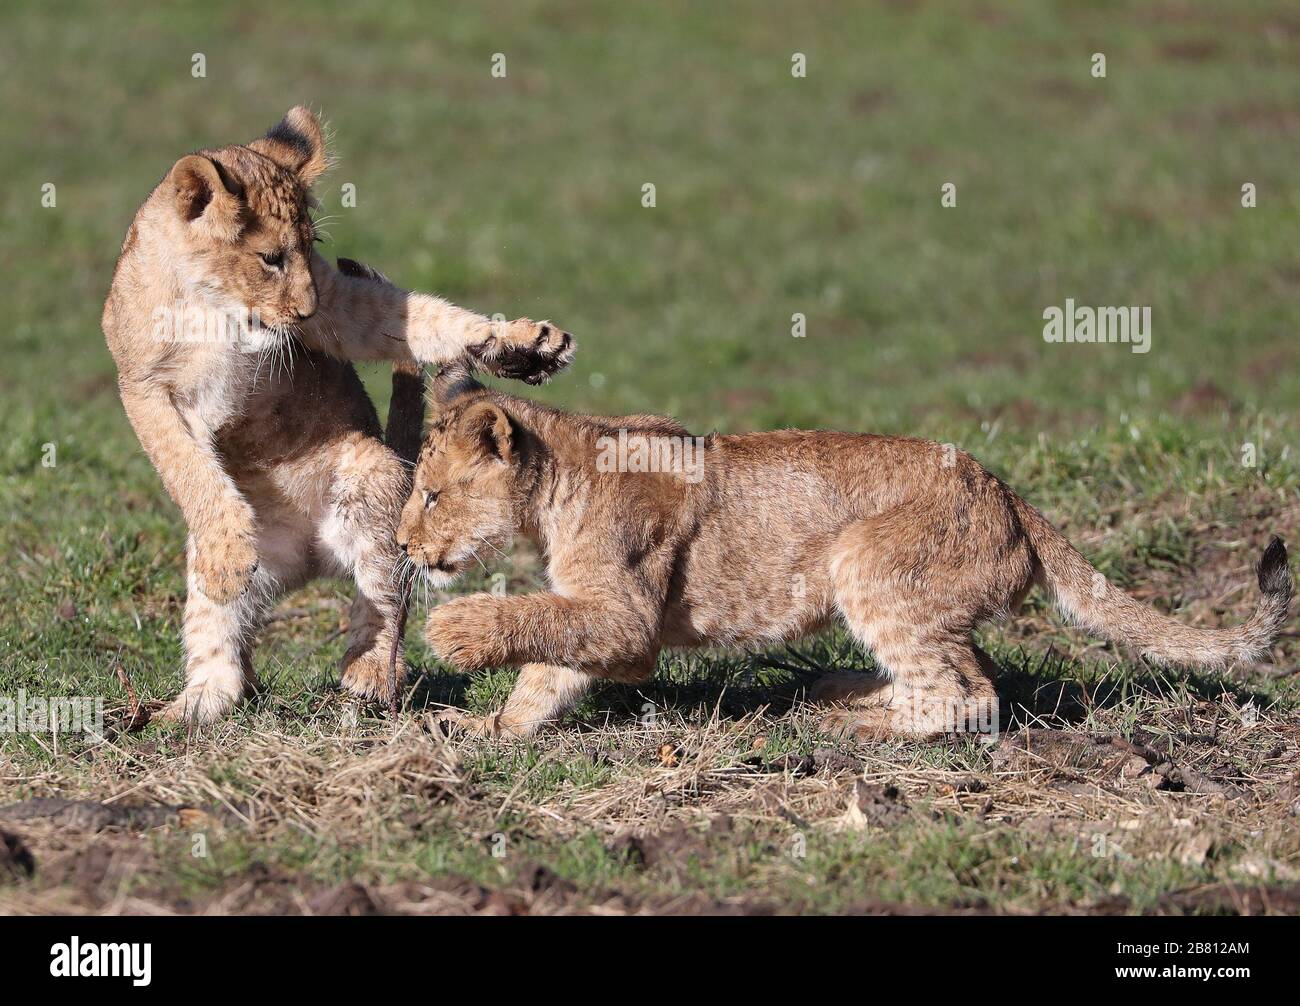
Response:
column 231, row 338
column 911, row 543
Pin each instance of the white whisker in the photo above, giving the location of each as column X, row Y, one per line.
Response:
column 484, row 541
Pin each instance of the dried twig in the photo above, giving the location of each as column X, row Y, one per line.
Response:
column 137, row 715
column 403, row 609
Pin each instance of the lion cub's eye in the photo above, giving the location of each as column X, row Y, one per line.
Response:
column 430, row 498
column 273, row 260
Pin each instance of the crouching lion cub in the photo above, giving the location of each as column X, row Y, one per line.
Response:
column 653, row 538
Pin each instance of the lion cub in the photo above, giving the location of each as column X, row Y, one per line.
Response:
column 652, row 539
column 232, row 339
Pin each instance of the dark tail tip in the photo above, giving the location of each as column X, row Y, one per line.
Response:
column 1274, row 574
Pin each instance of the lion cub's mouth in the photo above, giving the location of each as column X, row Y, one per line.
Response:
column 438, row 574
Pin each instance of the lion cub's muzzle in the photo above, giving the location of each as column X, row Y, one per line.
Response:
column 426, row 561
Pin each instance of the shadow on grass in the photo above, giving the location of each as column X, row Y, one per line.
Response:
column 1050, row 689
column 695, row 683
column 1046, row 688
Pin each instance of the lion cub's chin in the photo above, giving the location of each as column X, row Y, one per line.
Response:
column 437, row 577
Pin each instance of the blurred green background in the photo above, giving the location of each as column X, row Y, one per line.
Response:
column 775, row 195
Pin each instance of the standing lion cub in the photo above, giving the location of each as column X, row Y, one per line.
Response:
column 653, row 538
column 231, row 338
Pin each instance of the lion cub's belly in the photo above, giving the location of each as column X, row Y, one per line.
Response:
column 284, row 447
column 735, row 594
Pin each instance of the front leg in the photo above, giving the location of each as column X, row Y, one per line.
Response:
column 221, row 522
column 596, row 637
column 470, row 633
column 361, row 316
column 218, row 647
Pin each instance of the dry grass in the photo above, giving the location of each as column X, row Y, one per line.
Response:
column 1114, row 788
column 1160, row 799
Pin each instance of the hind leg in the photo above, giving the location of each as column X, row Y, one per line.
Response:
column 932, row 685
column 358, row 531
column 905, row 600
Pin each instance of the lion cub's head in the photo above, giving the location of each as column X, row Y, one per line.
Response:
column 469, row 487
column 237, row 220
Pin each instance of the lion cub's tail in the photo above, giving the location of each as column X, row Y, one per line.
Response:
column 1085, row 596
column 404, row 429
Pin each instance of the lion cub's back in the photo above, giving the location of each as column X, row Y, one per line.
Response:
column 836, row 475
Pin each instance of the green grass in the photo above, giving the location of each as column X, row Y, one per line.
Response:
column 775, row 196
column 951, row 864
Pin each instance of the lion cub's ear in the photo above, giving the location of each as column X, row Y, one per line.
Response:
column 297, row 143
column 207, row 196
column 491, row 429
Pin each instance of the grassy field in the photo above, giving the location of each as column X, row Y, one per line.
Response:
column 1117, row 787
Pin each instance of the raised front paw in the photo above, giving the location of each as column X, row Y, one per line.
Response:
column 526, row 350
column 224, row 566
column 465, row 633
